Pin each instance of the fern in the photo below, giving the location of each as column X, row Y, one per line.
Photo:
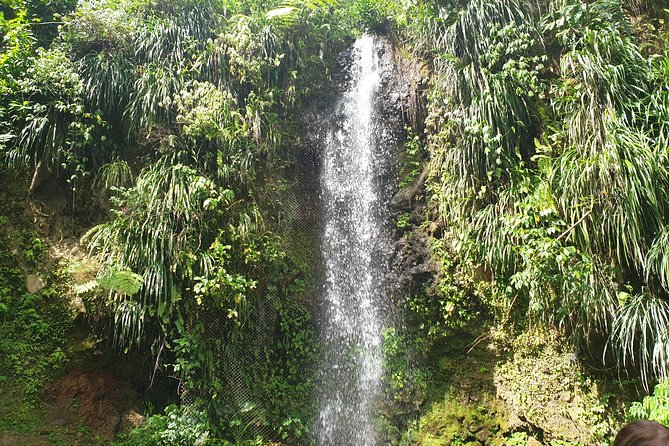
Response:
column 122, row 281
column 83, row 288
column 116, row 279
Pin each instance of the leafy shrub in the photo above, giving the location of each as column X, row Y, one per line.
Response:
column 403, row 221
column 413, row 158
column 653, row 407
column 406, row 382
column 367, row 15
column 32, row 332
column 178, row 426
column 517, row 439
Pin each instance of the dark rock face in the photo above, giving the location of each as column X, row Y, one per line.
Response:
column 412, row 267
column 400, row 83
column 398, row 106
column 404, row 198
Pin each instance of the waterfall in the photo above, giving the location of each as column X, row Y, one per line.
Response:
column 355, row 243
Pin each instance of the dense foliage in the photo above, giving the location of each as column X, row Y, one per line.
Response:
column 548, row 142
column 33, row 323
column 179, row 114
column 546, row 134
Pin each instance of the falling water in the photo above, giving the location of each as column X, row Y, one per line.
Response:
column 355, row 243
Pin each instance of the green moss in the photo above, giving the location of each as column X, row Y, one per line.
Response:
column 505, row 391
column 544, row 383
column 32, row 335
column 454, row 422
column 462, row 406
column 32, row 339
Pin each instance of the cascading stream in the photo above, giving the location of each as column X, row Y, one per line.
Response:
column 355, row 245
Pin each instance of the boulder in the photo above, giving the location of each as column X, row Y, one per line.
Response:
column 403, row 199
column 34, row 283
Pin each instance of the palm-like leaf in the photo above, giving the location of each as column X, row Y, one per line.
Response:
column 113, row 175
column 495, row 112
column 151, row 102
column 640, row 336
column 166, row 219
column 605, row 74
column 107, row 80
column 623, row 188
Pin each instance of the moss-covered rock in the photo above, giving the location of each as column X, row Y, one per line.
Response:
column 545, row 386
column 462, row 407
column 528, row 389
column 450, row 422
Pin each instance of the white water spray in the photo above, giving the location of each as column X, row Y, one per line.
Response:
column 354, row 251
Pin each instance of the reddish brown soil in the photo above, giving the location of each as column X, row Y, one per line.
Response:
column 97, row 399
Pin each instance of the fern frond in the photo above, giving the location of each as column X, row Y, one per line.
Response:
column 83, row 288
column 122, row 281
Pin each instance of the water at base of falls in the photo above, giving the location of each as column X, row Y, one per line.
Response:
column 354, row 248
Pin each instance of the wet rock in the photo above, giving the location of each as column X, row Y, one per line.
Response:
column 341, row 77
column 131, row 420
column 34, row 283
column 412, row 264
column 515, row 423
column 404, row 198
column 434, row 229
column 77, row 305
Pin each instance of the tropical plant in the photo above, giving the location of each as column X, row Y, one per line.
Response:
column 160, row 225
column 488, row 54
column 114, row 175
column 653, row 407
column 610, row 181
column 640, row 335
column 107, row 78
column 55, row 132
column 178, row 426
column 570, row 218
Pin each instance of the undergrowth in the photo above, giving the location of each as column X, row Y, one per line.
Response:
column 33, row 330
